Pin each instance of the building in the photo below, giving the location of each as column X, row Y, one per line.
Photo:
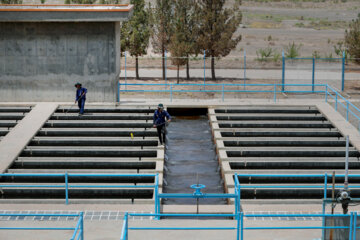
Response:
column 45, row 49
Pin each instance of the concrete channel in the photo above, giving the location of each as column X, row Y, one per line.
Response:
column 191, row 157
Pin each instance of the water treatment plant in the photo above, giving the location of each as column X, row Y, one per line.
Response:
column 238, row 161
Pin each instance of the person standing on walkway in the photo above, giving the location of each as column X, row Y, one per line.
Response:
column 80, row 97
column 159, row 122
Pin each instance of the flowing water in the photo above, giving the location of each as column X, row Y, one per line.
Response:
column 191, row 159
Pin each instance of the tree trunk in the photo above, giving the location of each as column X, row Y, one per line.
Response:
column 137, row 67
column 178, row 78
column 213, row 68
column 163, row 63
column 187, row 69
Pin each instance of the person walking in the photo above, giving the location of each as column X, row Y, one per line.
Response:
column 159, row 122
column 80, row 97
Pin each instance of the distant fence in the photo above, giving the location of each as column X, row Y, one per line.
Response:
column 78, row 230
column 282, row 70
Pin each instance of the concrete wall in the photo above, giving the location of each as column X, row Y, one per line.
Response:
column 42, row 61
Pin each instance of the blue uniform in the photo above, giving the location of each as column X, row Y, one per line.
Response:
column 159, row 121
column 159, row 117
column 80, row 98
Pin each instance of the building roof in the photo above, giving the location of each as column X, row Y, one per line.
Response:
column 64, row 13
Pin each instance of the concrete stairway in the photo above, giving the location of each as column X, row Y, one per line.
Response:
column 280, row 140
column 10, row 116
column 103, row 141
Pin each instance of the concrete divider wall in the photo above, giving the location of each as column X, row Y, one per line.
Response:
column 42, row 61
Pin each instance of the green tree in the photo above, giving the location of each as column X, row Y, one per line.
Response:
column 217, row 27
column 11, row 1
column 135, row 33
column 352, row 40
column 161, row 18
column 183, row 41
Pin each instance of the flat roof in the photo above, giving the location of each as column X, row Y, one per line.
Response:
column 65, row 8
column 66, row 13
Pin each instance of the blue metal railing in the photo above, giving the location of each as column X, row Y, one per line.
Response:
column 328, row 91
column 78, row 233
column 197, row 194
column 126, row 228
column 240, row 220
column 67, row 185
column 238, row 186
column 343, row 102
column 352, row 226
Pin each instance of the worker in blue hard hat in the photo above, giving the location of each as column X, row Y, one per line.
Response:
column 80, row 97
column 161, row 116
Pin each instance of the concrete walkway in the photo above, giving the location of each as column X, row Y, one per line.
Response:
column 345, row 127
column 17, row 139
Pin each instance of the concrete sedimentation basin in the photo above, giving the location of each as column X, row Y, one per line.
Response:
column 286, row 137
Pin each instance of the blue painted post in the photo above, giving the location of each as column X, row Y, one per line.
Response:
column 242, row 226
column 313, row 75
column 237, row 198
column 66, row 189
column 222, row 93
column 347, row 111
column 336, row 101
column 323, row 203
column 355, row 222
column 204, row 67
column 125, row 73
column 326, row 92
column 157, row 202
column 82, row 225
column 239, row 192
column 351, row 225
column 283, row 71
column 343, row 72
column 126, row 226
column 165, row 69
column 244, row 69
column 237, row 226
column 325, row 185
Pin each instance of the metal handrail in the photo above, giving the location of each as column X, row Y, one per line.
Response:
column 66, row 186
column 328, row 91
column 240, row 220
column 78, row 233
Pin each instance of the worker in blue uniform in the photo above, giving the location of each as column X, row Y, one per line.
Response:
column 80, row 97
column 161, row 116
